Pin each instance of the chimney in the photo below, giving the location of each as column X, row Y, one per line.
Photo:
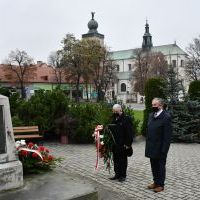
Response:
column 39, row 62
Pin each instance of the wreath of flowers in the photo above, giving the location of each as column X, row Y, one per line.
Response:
column 104, row 142
column 34, row 158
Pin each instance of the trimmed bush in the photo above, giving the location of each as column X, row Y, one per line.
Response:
column 194, row 90
column 154, row 87
column 5, row 91
column 14, row 99
column 88, row 115
column 55, row 114
column 44, row 108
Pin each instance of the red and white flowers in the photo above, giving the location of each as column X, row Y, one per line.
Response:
column 104, row 142
column 35, row 158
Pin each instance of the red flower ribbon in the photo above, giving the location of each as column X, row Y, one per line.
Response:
column 31, row 150
column 97, row 139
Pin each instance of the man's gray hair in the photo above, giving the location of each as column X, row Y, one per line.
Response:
column 117, row 107
column 160, row 100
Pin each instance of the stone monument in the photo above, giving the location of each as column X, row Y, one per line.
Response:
column 11, row 173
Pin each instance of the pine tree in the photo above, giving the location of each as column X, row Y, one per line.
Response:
column 174, row 87
column 194, row 90
column 186, row 121
column 185, row 114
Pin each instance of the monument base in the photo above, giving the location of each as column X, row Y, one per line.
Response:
column 11, row 175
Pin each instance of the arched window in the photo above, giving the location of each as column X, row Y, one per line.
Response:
column 123, row 87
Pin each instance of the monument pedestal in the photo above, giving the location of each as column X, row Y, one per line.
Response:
column 11, row 175
column 11, row 172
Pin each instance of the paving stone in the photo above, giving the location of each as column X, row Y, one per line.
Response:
column 182, row 177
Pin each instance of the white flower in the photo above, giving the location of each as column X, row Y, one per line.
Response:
column 20, row 143
column 23, row 142
column 17, row 144
column 102, row 143
column 101, row 136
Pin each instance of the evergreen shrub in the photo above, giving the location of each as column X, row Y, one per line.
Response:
column 186, row 121
column 194, row 90
column 154, row 87
column 44, row 108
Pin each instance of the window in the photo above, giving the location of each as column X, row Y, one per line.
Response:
column 173, row 63
column 123, row 87
column 182, row 63
column 8, row 76
column 45, row 78
column 113, row 94
column 2, row 131
column 117, row 68
column 129, row 67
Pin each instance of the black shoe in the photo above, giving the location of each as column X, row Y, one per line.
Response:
column 121, row 179
column 114, row 178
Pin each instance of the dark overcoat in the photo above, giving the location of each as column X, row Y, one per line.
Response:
column 122, row 131
column 159, row 131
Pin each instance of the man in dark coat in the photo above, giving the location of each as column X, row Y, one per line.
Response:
column 158, row 138
column 122, row 130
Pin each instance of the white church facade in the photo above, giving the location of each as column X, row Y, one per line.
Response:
column 125, row 61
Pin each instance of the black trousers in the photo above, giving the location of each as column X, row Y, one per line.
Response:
column 158, row 167
column 120, row 161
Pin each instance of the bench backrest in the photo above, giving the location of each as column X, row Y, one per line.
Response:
column 25, row 129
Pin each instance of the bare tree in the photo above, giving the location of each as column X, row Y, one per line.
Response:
column 192, row 67
column 109, row 75
column 19, row 68
column 55, row 60
column 102, row 75
column 148, row 65
column 158, row 65
column 140, row 72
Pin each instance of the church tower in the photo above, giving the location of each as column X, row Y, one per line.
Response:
column 93, row 33
column 147, row 38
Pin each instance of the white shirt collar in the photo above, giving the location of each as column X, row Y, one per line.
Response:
column 159, row 112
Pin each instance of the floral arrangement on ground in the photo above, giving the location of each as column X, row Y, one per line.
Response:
column 35, row 159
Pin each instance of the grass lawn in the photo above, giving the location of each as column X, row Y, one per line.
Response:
column 138, row 114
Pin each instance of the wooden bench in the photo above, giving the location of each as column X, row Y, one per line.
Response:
column 26, row 132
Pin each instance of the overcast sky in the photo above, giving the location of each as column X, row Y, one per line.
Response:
column 38, row 26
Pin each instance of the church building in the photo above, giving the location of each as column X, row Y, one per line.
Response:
column 122, row 89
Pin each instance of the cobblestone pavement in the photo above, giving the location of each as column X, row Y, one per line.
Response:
column 183, row 171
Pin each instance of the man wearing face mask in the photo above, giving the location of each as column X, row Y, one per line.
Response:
column 123, row 134
column 158, row 138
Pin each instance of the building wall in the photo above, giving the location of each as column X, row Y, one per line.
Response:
column 45, row 79
column 178, row 60
column 124, row 64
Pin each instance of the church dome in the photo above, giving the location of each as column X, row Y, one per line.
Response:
column 92, row 32
column 92, row 24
